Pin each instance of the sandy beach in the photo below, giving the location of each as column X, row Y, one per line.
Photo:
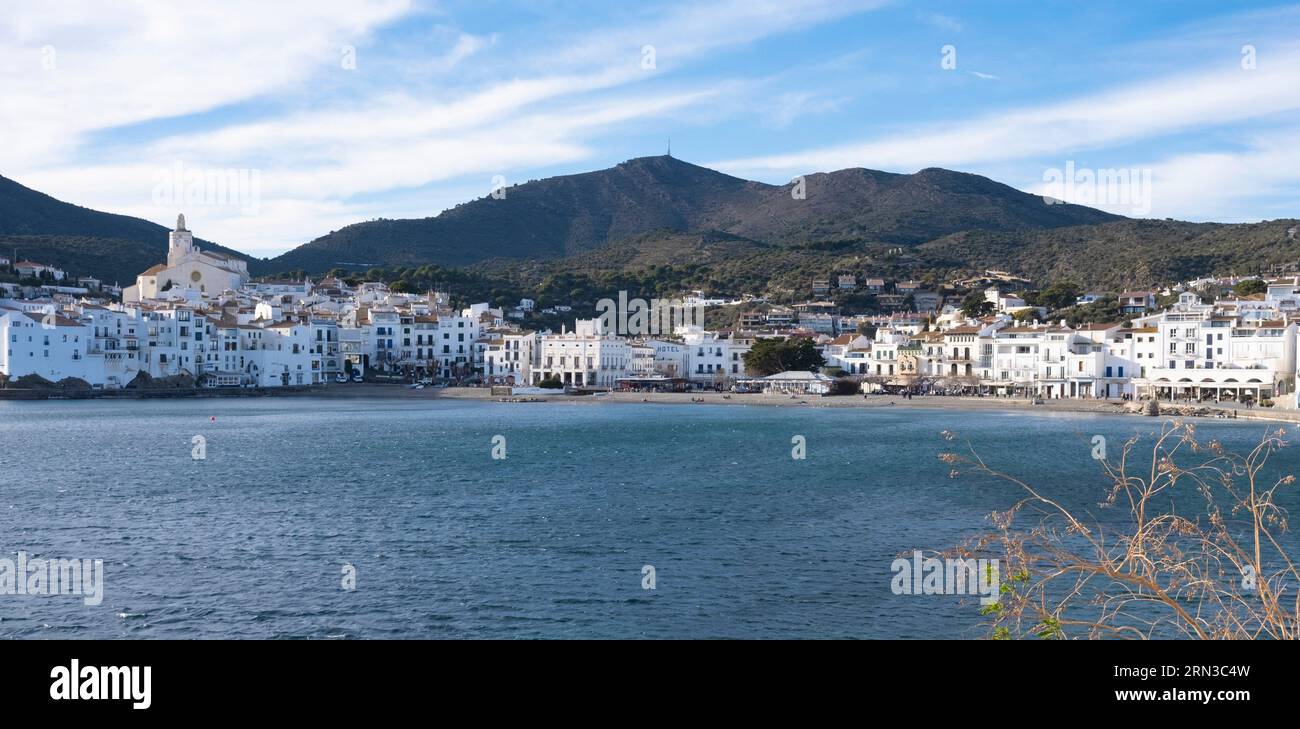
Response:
column 370, row 390
column 935, row 402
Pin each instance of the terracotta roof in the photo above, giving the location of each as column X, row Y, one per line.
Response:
column 1021, row 330
column 58, row 320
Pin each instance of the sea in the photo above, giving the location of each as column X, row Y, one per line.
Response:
column 322, row 518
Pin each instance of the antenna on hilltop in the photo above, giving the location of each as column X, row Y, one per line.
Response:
column 670, row 146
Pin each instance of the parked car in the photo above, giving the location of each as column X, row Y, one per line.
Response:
column 341, row 377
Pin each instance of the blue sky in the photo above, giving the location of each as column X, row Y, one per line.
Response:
column 108, row 104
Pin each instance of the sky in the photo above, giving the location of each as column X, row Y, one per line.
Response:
column 271, row 123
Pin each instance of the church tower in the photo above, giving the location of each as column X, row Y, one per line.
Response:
column 180, row 242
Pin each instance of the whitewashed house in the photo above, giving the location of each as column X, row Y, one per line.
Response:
column 584, row 357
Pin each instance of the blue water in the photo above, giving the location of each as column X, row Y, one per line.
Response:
column 550, row 542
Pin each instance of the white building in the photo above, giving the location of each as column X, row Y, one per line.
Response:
column 509, row 356
column 713, row 358
column 791, row 383
column 662, row 357
column 1213, row 352
column 584, row 357
column 32, row 269
column 188, row 268
column 49, row 345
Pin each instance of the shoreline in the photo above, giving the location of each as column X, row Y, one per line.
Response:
column 929, row 402
column 384, row 391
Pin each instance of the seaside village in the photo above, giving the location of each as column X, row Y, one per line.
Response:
column 200, row 320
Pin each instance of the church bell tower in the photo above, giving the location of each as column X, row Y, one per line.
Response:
column 180, row 242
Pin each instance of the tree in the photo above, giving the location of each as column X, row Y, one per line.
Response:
column 1059, row 295
column 1250, row 287
column 1198, row 548
column 975, row 305
column 845, row 386
column 551, row 383
column 770, row 356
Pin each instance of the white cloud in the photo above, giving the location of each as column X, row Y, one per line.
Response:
column 692, row 29
column 465, row 45
column 1263, row 178
column 330, row 161
column 1193, row 100
column 943, row 22
column 790, row 106
column 145, row 60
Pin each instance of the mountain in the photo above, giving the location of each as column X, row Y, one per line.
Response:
column 692, row 227
column 1123, row 254
column 569, row 215
column 80, row 240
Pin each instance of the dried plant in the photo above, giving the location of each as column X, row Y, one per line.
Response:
column 1199, row 553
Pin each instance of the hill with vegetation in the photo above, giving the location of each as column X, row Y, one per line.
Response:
column 82, row 241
